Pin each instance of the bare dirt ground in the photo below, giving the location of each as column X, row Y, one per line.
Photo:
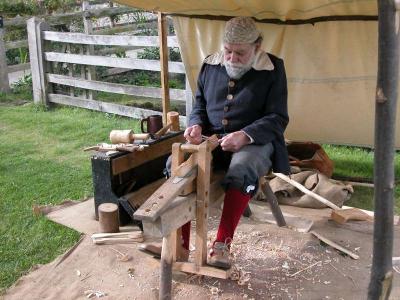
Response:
column 271, row 263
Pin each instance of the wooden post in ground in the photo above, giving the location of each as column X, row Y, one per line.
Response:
column 385, row 120
column 162, row 33
column 4, row 84
column 203, row 195
column 166, row 268
column 38, row 69
column 90, row 71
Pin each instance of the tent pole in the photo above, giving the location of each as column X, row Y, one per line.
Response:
column 162, row 34
column 385, row 118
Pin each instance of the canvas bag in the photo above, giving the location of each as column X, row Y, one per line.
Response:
column 332, row 190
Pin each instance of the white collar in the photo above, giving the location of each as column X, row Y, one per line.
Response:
column 261, row 61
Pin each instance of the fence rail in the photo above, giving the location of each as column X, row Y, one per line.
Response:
column 58, row 19
column 44, row 78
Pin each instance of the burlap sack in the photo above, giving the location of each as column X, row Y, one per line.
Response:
column 332, row 190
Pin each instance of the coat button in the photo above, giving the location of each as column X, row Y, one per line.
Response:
column 229, row 97
column 226, row 108
column 231, row 83
column 224, row 122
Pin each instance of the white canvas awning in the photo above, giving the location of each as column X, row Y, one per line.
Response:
column 330, row 53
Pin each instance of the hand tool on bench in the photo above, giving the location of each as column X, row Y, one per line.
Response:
column 127, row 136
column 104, row 147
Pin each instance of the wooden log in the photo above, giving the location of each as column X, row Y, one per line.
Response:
column 274, row 205
column 108, row 217
column 344, row 215
column 166, row 269
column 307, row 191
column 173, row 119
column 385, row 135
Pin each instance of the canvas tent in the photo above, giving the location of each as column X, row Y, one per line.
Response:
column 340, row 70
column 330, row 53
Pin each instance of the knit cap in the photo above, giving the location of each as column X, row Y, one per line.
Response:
column 241, row 30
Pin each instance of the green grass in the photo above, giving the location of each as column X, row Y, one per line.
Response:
column 42, row 162
column 358, row 163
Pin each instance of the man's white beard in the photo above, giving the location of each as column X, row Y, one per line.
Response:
column 237, row 70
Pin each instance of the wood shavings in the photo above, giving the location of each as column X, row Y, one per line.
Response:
column 309, row 267
column 92, row 293
column 78, row 273
column 131, row 272
column 214, row 291
column 122, row 256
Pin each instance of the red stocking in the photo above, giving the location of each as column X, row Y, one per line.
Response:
column 186, row 235
column 235, row 202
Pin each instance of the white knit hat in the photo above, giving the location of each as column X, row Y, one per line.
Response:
column 241, row 30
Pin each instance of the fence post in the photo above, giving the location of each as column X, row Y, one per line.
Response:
column 88, row 27
column 4, row 84
column 35, row 42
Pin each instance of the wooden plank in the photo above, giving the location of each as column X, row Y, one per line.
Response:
column 122, row 110
column 107, row 40
column 162, row 33
column 114, row 62
column 19, row 67
column 113, row 87
column 203, row 194
column 132, row 160
column 203, row 270
column 162, row 197
column 16, row 44
column 334, row 245
column 4, row 84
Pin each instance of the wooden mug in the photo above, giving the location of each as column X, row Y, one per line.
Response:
column 153, row 124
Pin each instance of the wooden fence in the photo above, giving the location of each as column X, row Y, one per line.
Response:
column 43, row 77
column 87, row 13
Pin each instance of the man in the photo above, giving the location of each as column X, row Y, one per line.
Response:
column 242, row 97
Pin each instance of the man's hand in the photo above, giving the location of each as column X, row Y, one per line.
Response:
column 193, row 134
column 234, row 141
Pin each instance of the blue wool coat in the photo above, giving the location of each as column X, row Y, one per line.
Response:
column 256, row 104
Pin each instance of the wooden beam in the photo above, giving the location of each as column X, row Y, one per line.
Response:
column 203, row 194
column 114, row 62
column 162, row 198
column 202, row 270
column 162, row 33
